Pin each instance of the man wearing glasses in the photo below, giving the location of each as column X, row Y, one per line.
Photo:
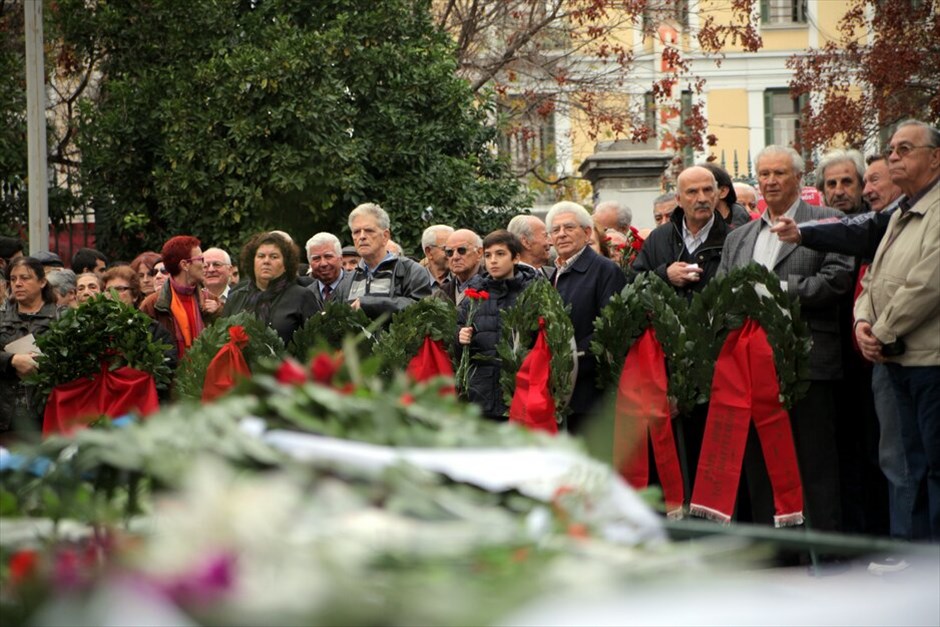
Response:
column 178, row 304
column 464, row 253
column 218, row 273
column 898, row 313
column 585, row 281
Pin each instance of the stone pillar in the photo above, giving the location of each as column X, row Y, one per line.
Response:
column 628, row 173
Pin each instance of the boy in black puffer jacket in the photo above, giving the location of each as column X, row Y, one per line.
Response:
column 504, row 279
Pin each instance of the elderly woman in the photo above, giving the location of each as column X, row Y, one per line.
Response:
column 87, row 285
column 122, row 282
column 30, row 312
column 144, row 265
column 271, row 291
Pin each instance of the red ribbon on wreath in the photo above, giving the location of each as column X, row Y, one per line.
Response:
column 642, row 416
column 228, row 365
column 110, row 392
column 745, row 387
column 532, row 403
column 431, row 360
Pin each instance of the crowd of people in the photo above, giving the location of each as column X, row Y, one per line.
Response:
column 865, row 270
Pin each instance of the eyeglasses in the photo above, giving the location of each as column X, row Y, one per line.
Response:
column 460, row 249
column 200, row 258
column 157, row 271
column 902, row 150
column 217, row 264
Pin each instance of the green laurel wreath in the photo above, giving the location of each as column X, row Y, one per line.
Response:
column 263, row 342
column 100, row 330
column 648, row 301
column 725, row 303
column 435, row 317
column 328, row 328
column 519, row 326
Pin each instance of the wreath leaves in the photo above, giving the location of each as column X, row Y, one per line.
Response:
column 329, row 327
column 100, row 330
column 647, row 302
column 753, row 292
column 519, row 326
column 263, row 342
column 435, row 317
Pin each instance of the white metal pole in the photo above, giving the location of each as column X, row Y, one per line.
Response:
column 36, row 128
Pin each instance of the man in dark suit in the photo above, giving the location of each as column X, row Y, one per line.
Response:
column 331, row 282
column 585, row 281
column 819, row 281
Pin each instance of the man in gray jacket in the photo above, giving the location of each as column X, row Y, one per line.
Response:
column 382, row 283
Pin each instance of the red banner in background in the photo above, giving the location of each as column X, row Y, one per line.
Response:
column 532, row 404
column 745, row 387
column 642, row 416
column 112, row 393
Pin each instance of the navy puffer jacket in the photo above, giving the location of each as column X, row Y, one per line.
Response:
column 484, row 363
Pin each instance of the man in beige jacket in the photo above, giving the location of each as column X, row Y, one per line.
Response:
column 898, row 312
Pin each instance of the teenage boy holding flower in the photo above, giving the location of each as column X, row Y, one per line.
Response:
column 478, row 317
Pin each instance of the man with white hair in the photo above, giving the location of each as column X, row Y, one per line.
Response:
column 747, row 196
column 536, row 245
column 611, row 214
column 325, row 255
column 585, row 281
column 218, row 275
column 382, row 283
column 819, row 281
column 840, row 177
column 433, row 241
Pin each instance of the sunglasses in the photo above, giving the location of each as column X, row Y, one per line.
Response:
column 160, row 271
column 462, row 250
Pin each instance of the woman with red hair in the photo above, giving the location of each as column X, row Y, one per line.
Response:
column 177, row 306
column 143, row 265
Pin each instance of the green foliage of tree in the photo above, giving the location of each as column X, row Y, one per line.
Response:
column 12, row 120
column 223, row 117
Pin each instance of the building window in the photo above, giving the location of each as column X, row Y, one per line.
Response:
column 529, row 141
column 656, row 12
column 782, row 118
column 783, row 11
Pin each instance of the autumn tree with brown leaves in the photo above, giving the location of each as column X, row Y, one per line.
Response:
column 883, row 67
column 537, row 54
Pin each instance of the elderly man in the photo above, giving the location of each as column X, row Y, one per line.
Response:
column 433, row 241
column 536, row 245
column 464, row 252
column 898, row 313
column 612, row 215
column 880, row 191
column 383, row 283
column 819, row 281
column 747, row 197
column 663, row 206
column 686, row 251
column 585, row 281
column 218, row 277
column 325, row 255
column 839, row 177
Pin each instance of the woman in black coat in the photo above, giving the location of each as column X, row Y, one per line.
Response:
column 503, row 280
column 271, row 292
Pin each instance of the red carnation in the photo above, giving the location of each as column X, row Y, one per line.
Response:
column 23, row 565
column 324, row 368
column 290, row 373
column 471, row 293
column 482, row 295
